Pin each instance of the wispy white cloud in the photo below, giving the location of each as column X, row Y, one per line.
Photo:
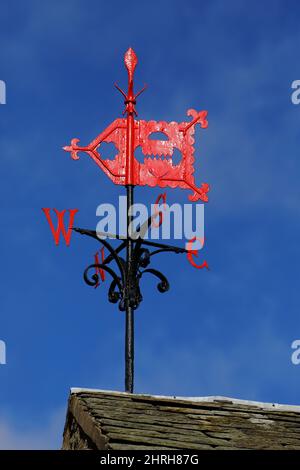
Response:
column 240, row 368
column 29, row 437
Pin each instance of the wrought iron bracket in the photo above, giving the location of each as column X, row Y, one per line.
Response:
column 125, row 283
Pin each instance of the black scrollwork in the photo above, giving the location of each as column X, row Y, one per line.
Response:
column 125, row 286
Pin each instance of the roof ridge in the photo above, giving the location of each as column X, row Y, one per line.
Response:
column 208, row 399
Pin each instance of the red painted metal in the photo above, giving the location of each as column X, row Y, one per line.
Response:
column 129, row 133
column 100, row 273
column 157, row 212
column 60, row 228
column 191, row 253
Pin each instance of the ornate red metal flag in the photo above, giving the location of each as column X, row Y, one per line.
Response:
column 127, row 134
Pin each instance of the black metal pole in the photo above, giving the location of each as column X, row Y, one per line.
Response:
column 129, row 329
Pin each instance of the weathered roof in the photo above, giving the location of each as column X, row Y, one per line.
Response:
column 115, row 420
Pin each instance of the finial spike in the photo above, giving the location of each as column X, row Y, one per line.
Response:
column 131, row 61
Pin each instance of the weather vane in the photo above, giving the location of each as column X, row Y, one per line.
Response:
column 127, row 134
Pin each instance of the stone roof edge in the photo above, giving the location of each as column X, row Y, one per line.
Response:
column 85, row 421
column 215, row 399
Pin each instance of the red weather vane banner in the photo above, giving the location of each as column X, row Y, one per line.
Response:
column 127, row 134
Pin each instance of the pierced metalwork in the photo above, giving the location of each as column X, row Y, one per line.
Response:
column 127, row 134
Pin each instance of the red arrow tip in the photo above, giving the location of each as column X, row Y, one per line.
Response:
column 131, row 61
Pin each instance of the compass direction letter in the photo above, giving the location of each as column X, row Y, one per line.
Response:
column 60, row 228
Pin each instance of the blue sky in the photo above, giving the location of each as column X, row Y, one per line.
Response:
column 223, row 332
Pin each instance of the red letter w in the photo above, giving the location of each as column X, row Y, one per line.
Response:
column 60, row 224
